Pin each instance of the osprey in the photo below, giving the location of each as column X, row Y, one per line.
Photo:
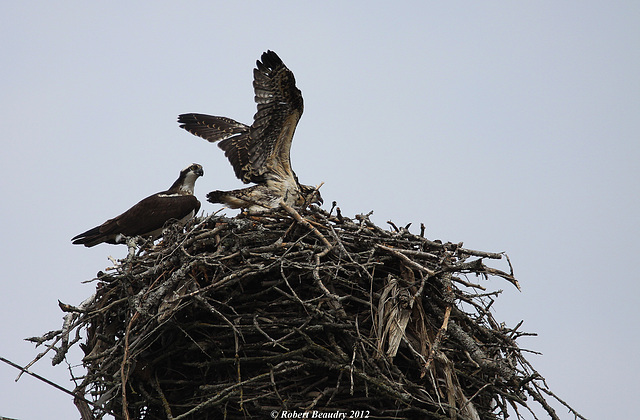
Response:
column 149, row 217
column 260, row 153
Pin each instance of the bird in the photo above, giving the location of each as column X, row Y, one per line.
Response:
column 260, row 153
column 151, row 215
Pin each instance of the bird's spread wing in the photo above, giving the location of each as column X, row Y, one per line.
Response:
column 280, row 107
column 214, row 129
column 264, row 146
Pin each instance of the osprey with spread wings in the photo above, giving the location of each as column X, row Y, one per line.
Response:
column 260, row 153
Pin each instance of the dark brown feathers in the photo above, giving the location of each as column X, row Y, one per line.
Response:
column 149, row 216
column 225, row 130
column 212, row 128
column 280, row 107
column 264, row 147
column 143, row 219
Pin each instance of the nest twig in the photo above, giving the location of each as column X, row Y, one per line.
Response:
column 237, row 317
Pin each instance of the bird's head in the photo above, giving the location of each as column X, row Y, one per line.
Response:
column 188, row 177
column 195, row 169
column 310, row 195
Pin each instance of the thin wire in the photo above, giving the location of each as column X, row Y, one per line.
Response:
column 45, row 380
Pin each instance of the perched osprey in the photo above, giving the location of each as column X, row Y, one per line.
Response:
column 260, row 153
column 151, row 215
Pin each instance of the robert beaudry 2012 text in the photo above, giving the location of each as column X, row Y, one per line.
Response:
column 351, row 414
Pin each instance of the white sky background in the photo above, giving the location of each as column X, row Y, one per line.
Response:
column 511, row 126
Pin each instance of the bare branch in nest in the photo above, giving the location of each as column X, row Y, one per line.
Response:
column 237, row 317
column 308, row 225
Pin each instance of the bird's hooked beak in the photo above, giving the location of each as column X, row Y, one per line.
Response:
column 196, row 169
column 315, row 198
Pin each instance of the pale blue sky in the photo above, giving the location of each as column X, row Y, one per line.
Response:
column 511, row 126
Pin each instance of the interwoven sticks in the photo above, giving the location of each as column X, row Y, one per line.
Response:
column 241, row 317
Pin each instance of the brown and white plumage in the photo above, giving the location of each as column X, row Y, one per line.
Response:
column 260, row 153
column 149, row 216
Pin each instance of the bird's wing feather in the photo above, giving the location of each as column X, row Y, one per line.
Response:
column 212, row 128
column 233, row 137
column 263, row 147
column 153, row 213
column 280, row 107
column 148, row 215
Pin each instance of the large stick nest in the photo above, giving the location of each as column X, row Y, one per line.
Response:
column 249, row 316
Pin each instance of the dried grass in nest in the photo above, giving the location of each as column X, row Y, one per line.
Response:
column 237, row 317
